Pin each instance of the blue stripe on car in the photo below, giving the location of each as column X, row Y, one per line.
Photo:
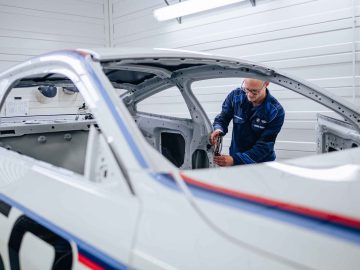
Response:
column 117, row 117
column 166, row 180
column 98, row 256
column 308, row 222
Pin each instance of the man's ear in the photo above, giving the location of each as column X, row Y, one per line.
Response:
column 267, row 84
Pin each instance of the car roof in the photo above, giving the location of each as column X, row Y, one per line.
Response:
column 169, row 59
column 105, row 54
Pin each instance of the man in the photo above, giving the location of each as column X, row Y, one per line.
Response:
column 257, row 119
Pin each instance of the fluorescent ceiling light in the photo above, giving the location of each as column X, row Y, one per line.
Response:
column 190, row 7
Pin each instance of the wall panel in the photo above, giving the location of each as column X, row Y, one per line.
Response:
column 32, row 27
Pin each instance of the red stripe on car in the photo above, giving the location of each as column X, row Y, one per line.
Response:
column 298, row 209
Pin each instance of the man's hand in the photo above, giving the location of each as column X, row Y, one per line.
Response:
column 224, row 160
column 214, row 135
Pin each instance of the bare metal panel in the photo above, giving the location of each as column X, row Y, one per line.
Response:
column 60, row 144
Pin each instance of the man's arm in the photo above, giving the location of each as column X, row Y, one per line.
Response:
column 222, row 120
column 264, row 145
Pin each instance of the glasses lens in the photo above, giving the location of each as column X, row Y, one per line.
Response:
column 252, row 91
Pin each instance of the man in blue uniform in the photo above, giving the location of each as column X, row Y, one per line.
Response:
column 257, row 119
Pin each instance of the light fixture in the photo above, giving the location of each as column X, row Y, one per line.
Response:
column 70, row 90
column 190, row 7
column 45, row 93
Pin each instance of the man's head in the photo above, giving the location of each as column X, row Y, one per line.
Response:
column 255, row 90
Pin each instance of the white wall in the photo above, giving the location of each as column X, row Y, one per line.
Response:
column 313, row 39
column 32, row 27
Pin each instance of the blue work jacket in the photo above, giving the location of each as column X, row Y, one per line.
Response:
column 254, row 128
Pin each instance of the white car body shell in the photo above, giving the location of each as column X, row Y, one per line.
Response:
column 298, row 214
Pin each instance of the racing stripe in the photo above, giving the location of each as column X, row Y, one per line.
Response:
column 88, row 253
column 166, row 179
column 323, row 215
column 121, row 124
column 333, row 224
column 88, row 263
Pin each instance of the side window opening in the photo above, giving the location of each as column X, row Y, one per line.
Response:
column 166, row 123
column 169, row 102
column 53, row 124
column 299, row 134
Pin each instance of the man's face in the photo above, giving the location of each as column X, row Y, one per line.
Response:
column 255, row 90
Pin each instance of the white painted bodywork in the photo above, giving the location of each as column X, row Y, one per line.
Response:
column 298, row 214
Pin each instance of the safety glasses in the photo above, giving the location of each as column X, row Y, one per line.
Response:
column 252, row 91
